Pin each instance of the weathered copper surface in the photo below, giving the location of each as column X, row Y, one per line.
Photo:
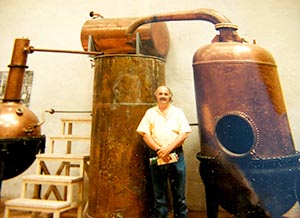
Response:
column 109, row 36
column 16, row 120
column 233, row 76
column 119, row 174
column 240, row 80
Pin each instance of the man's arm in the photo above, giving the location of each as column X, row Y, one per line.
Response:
column 150, row 142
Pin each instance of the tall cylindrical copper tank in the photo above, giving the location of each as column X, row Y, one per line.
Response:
column 241, row 110
column 123, row 91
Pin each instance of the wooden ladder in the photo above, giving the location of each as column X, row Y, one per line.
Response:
column 63, row 177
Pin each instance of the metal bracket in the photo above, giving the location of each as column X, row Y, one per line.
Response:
column 91, row 45
column 138, row 43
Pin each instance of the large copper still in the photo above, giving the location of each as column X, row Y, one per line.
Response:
column 242, row 114
column 241, row 110
column 20, row 131
column 126, row 77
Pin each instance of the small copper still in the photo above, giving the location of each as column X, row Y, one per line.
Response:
column 20, row 131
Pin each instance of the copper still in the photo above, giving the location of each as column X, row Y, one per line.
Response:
column 126, row 77
column 241, row 111
column 20, row 131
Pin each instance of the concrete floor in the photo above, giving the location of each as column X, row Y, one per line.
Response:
column 293, row 213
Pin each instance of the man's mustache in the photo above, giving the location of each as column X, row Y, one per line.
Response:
column 163, row 99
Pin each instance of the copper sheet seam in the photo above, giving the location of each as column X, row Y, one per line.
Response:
column 235, row 62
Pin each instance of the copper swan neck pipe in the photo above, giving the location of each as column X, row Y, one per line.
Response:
column 199, row 14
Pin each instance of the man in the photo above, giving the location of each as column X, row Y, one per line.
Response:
column 164, row 128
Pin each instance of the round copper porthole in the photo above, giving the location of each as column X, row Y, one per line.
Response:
column 236, row 134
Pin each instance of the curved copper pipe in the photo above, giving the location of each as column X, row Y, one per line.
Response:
column 199, row 14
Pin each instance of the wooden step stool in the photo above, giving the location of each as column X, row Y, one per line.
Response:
column 36, row 205
column 56, row 207
column 67, row 161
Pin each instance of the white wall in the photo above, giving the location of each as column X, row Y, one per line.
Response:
column 64, row 82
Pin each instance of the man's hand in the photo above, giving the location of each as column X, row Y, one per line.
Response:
column 171, row 158
column 164, row 152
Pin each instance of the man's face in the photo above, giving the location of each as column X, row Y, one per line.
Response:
column 163, row 95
